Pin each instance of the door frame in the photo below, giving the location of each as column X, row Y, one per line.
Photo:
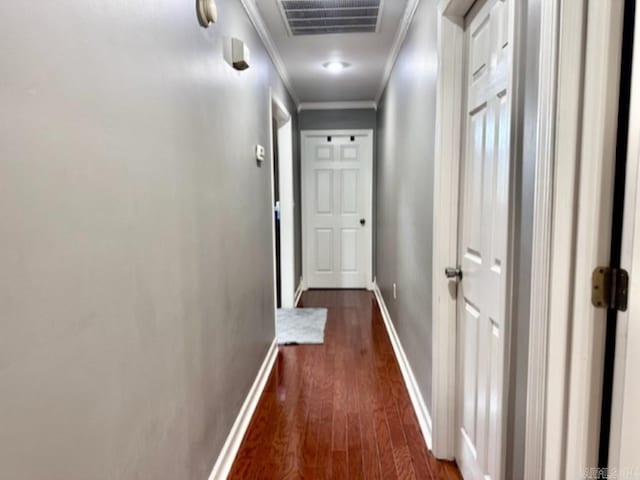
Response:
column 448, row 156
column 304, row 134
column 279, row 112
column 567, row 337
column 576, row 138
column 543, row 228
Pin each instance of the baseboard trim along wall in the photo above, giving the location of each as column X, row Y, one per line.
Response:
column 420, row 407
column 298, row 294
column 231, row 446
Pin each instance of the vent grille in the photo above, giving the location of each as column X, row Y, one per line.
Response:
column 317, row 17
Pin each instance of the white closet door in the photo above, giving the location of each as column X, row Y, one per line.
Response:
column 337, row 198
column 483, row 242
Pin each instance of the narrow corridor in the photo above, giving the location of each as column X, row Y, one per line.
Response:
column 339, row 410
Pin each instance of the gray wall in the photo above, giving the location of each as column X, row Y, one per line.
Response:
column 338, row 119
column 406, row 136
column 136, row 295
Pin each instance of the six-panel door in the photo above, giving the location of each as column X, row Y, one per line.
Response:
column 483, row 242
column 337, row 209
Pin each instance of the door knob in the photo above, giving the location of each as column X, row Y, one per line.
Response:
column 453, row 273
column 363, row 222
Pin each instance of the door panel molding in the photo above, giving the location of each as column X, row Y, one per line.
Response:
column 572, row 225
column 541, row 265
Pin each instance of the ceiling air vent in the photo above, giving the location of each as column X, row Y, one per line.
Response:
column 318, row 17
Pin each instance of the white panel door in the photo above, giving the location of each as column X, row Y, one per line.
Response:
column 483, row 242
column 336, row 208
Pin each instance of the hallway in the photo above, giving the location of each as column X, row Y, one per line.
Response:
column 339, row 410
column 454, row 185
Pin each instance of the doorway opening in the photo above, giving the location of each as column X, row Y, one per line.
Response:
column 476, row 140
column 283, row 204
column 276, row 210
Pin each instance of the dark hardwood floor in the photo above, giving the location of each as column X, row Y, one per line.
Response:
column 338, row 410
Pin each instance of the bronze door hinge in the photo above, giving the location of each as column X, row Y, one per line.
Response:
column 610, row 288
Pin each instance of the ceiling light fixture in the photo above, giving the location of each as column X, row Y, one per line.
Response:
column 335, row 67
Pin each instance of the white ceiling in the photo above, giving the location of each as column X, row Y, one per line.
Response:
column 302, row 57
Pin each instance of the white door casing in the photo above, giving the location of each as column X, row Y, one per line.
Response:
column 484, row 238
column 287, row 203
column 565, row 363
column 336, row 198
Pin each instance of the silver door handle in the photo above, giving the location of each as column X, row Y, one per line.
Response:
column 453, row 273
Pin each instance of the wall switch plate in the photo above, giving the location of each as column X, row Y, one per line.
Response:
column 395, row 292
column 260, row 153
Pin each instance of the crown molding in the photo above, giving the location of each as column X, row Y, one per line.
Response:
column 410, row 11
column 258, row 23
column 337, row 105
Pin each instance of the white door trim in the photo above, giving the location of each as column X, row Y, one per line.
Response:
column 561, row 274
column 593, row 240
column 572, row 222
column 279, row 112
column 370, row 219
column 272, row 204
column 287, row 203
column 542, row 238
column 448, row 138
column 593, row 234
column 448, row 157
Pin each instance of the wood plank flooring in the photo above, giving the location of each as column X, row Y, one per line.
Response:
column 338, row 410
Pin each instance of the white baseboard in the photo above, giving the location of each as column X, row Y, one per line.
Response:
column 298, row 293
column 231, row 446
column 422, row 412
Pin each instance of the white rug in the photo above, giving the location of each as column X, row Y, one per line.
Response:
column 298, row 326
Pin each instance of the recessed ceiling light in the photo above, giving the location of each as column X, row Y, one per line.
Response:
column 335, row 67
